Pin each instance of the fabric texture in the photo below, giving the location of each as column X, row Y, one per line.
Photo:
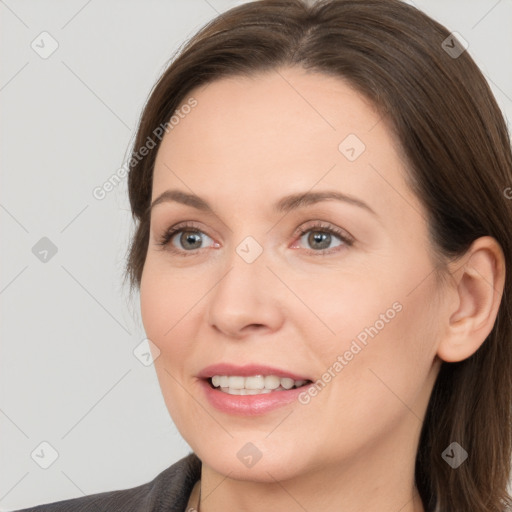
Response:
column 169, row 491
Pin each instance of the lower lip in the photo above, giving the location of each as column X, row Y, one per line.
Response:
column 249, row 405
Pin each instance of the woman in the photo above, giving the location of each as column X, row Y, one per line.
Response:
column 323, row 230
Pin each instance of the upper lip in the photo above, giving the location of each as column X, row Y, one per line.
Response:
column 247, row 371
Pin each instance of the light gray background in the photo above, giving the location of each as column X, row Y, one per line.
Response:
column 68, row 373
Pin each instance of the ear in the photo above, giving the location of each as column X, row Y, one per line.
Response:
column 478, row 289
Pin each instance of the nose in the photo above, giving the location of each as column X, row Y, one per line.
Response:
column 246, row 299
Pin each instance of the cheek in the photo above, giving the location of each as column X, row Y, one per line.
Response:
column 382, row 323
column 384, row 378
column 167, row 313
column 167, row 304
column 344, row 307
column 395, row 350
column 154, row 309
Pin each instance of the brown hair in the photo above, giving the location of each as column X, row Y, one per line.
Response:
column 455, row 140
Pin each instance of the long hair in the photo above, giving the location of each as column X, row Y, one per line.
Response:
column 457, row 147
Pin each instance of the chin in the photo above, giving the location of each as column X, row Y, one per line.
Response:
column 257, row 462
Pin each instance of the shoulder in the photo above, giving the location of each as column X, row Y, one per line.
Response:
column 169, row 490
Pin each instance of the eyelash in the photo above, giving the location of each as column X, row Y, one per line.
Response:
column 164, row 240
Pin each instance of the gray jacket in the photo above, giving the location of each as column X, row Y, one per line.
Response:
column 169, row 491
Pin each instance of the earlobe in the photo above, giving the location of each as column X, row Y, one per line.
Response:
column 479, row 289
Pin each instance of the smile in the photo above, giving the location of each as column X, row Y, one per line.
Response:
column 254, row 384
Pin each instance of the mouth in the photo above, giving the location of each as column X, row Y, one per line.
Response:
column 254, row 384
column 252, row 389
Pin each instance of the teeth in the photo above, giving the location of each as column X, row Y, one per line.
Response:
column 236, row 382
column 232, row 391
column 272, row 382
column 255, row 384
column 287, row 383
column 252, row 383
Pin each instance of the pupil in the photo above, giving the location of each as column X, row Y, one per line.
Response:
column 189, row 237
column 318, row 237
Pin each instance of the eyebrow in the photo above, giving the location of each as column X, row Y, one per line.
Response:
column 284, row 205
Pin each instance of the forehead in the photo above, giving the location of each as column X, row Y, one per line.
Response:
column 276, row 108
column 286, row 128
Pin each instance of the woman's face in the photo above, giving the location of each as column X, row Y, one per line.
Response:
column 354, row 310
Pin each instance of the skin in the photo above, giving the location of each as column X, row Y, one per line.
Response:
column 247, row 143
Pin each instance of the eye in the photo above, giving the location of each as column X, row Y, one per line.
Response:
column 320, row 237
column 190, row 240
